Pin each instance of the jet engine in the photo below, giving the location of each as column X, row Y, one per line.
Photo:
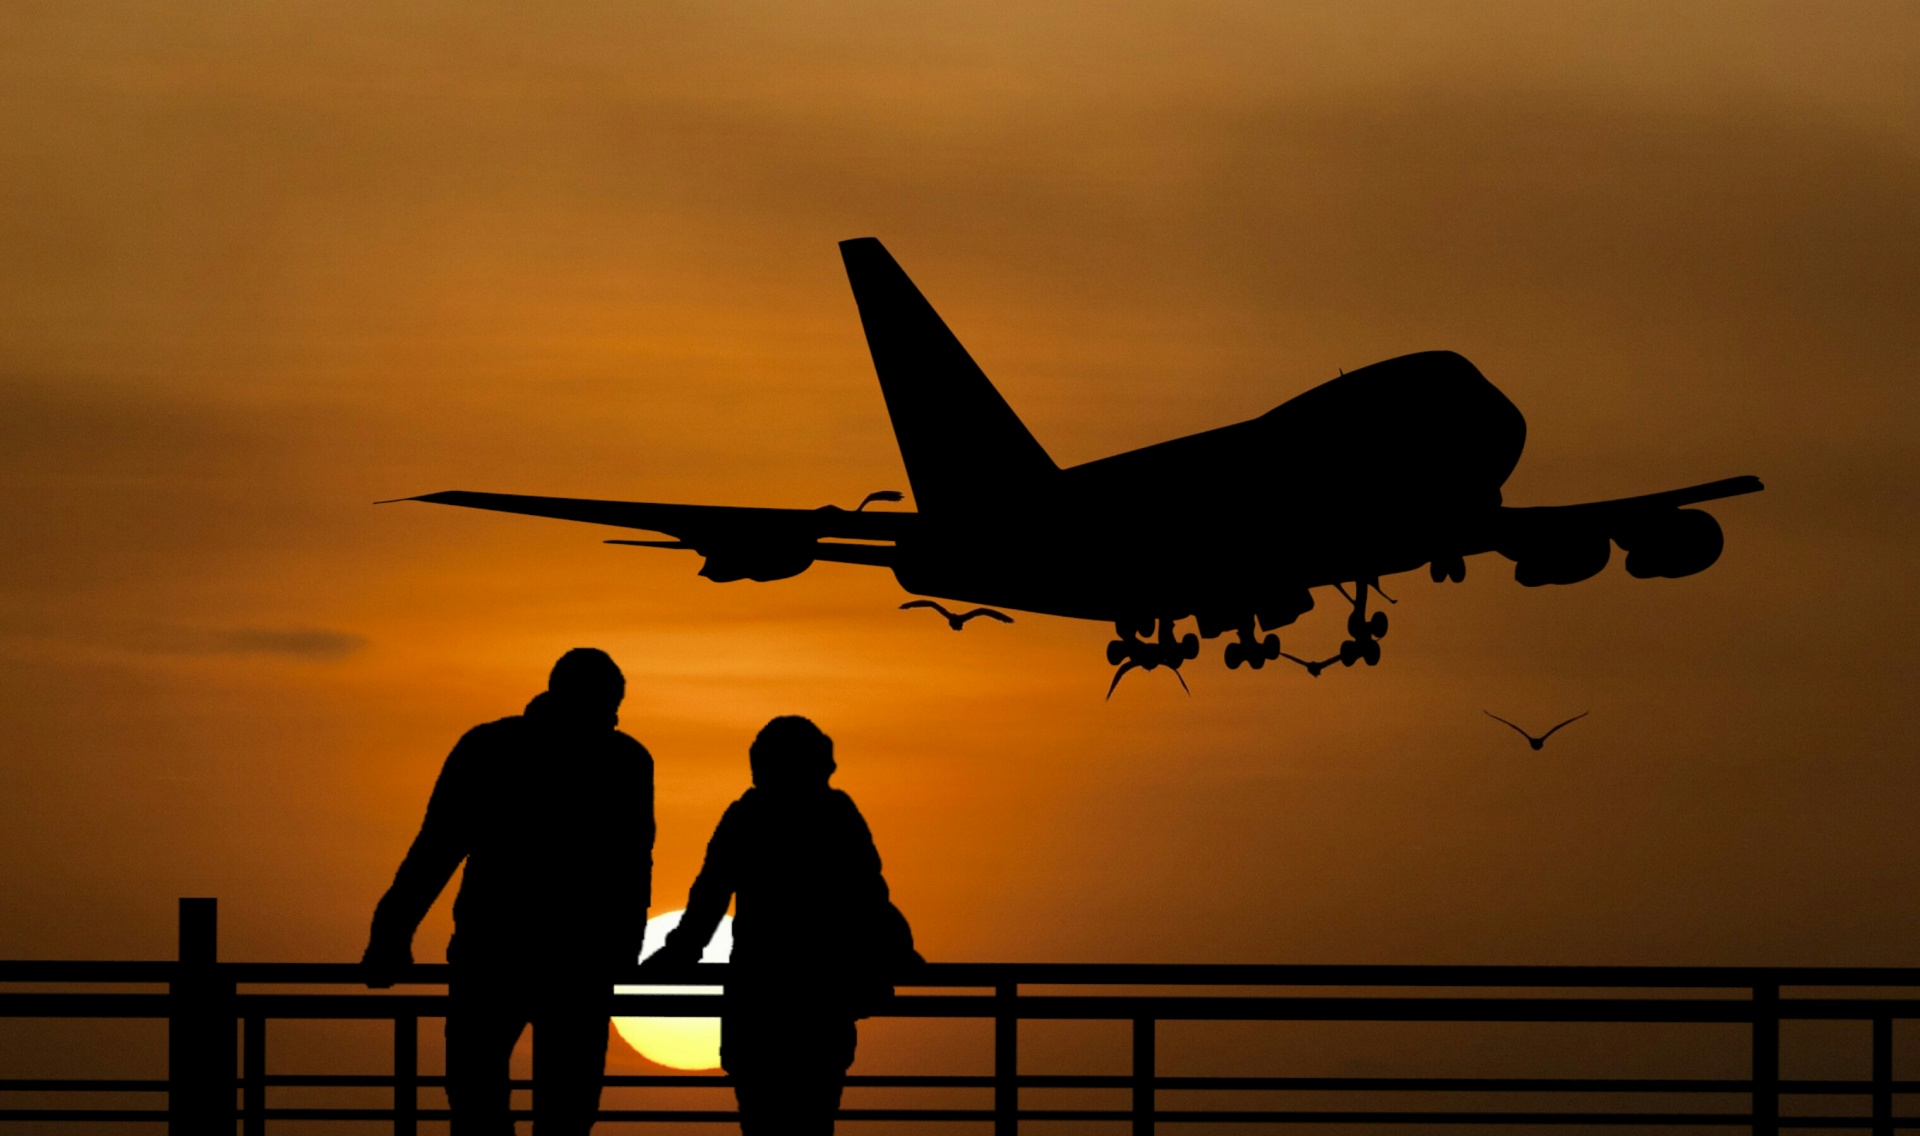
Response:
column 758, row 562
column 1558, row 558
column 1673, row 544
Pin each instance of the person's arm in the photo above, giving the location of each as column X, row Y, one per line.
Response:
column 647, row 827
column 892, row 941
column 712, row 891
column 444, row 840
column 864, row 875
column 629, row 918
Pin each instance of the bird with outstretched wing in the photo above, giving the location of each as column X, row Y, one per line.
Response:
column 958, row 622
column 1541, row 741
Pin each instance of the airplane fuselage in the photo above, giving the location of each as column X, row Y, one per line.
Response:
column 1376, row 472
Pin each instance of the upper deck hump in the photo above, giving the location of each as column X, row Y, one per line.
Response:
column 1430, row 416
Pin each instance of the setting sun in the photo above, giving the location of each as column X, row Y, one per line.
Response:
column 677, row 1043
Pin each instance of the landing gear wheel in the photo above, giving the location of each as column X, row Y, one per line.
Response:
column 1256, row 660
column 1117, row 652
column 1190, row 646
column 1371, row 653
column 1349, row 653
column 1356, row 627
column 1234, row 657
column 1377, row 626
column 1270, row 646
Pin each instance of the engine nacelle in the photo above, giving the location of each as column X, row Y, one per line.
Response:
column 1672, row 545
column 1560, row 558
column 759, row 563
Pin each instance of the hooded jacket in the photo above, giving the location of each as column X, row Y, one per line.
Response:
column 552, row 812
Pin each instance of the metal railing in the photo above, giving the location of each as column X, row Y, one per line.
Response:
column 217, row 1039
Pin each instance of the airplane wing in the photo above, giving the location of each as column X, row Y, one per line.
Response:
column 739, row 543
column 1563, row 544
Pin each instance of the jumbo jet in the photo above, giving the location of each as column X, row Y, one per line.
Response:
column 1383, row 470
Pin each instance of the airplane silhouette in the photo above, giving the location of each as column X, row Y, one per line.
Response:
column 958, row 622
column 1382, row 470
column 1541, row 741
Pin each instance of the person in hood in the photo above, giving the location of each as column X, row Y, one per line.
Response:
column 552, row 813
column 817, row 942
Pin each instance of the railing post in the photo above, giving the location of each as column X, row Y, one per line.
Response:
column 406, row 1074
column 200, row 1031
column 1143, row 1074
column 1766, row 1061
column 1006, row 1060
column 253, row 1077
column 1883, row 1077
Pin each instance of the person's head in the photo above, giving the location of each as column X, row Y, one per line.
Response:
column 587, row 680
column 791, row 753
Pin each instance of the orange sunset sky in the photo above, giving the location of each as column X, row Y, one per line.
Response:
column 264, row 264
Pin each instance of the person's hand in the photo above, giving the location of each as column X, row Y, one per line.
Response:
column 671, row 956
column 383, row 963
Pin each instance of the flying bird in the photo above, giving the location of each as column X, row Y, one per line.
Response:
column 958, row 621
column 1135, row 664
column 1540, row 741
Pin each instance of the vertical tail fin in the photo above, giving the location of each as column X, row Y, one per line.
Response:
column 963, row 446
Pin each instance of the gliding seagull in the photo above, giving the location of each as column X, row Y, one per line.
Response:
column 1540, row 741
column 958, row 621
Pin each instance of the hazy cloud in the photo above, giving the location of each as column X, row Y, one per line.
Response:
column 300, row 642
column 316, row 644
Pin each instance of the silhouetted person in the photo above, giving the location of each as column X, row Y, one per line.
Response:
column 552, row 810
column 817, row 943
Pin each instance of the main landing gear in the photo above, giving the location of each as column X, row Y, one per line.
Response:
column 1133, row 650
column 1364, row 633
column 1254, row 653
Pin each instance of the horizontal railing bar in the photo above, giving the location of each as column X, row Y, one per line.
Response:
column 1557, row 1119
column 1165, row 1116
column 108, row 1005
column 1115, row 1082
column 1497, row 1084
column 1635, row 1119
column 1086, row 1081
column 1291, row 974
column 1041, row 974
column 1087, row 1007
column 612, row 1081
column 153, row 972
column 130, row 1115
column 45, row 1085
column 1174, row 1008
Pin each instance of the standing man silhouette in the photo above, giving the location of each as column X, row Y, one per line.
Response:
column 817, row 943
column 552, row 811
